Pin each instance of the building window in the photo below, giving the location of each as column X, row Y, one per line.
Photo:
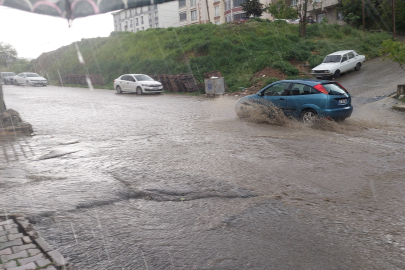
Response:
column 156, row 13
column 145, row 9
column 141, row 19
column 216, row 11
column 339, row 16
column 237, row 3
column 217, row 22
column 182, row 3
column 155, row 6
column 319, row 17
column 294, row 3
column 228, row 18
column 183, row 16
column 227, row 5
column 130, row 23
column 139, row 10
column 156, row 25
column 136, row 21
column 149, row 8
column 192, row 3
column 194, row 15
column 115, row 27
column 240, row 16
column 143, row 28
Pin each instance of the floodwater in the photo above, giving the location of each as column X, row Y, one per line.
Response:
column 121, row 181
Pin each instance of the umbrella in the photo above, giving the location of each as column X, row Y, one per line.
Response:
column 71, row 9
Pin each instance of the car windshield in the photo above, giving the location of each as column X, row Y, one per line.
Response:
column 9, row 74
column 143, row 78
column 334, row 89
column 332, row 59
column 32, row 75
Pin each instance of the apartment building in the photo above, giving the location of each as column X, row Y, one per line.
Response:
column 141, row 18
column 317, row 10
column 214, row 11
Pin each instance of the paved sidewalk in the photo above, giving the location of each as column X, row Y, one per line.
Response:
column 22, row 249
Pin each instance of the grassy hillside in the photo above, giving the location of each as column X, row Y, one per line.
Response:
column 237, row 51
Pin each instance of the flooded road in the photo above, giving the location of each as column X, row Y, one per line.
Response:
column 121, row 181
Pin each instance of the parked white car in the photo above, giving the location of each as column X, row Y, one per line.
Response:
column 29, row 78
column 336, row 63
column 139, row 83
column 7, row 77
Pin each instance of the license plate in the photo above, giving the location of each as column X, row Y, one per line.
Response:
column 342, row 101
column 155, row 88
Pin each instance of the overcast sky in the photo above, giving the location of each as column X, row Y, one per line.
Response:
column 32, row 34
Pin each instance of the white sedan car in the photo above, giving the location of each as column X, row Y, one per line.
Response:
column 139, row 83
column 338, row 62
column 29, row 78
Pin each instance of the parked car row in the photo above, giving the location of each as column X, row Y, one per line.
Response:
column 24, row 78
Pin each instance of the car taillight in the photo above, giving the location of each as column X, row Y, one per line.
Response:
column 114, row 80
column 342, row 87
column 321, row 89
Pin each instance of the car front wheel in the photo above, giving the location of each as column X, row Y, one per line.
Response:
column 308, row 116
column 358, row 66
column 139, row 90
column 336, row 75
column 119, row 91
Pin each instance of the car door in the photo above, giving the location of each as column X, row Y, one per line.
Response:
column 124, row 83
column 344, row 65
column 131, row 83
column 276, row 95
column 19, row 78
column 303, row 96
column 352, row 61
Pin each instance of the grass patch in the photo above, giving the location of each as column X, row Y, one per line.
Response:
column 237, row 51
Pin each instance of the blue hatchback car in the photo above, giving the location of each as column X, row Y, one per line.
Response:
column 304, row 99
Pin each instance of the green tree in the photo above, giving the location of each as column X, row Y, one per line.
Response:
column 253, row 7
column 395, row 51
column 8, row 54
column 281, row 10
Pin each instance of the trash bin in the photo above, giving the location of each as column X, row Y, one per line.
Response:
column 214, row 86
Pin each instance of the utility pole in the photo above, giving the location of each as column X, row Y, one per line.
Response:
column 393, row 19
column 364, row 17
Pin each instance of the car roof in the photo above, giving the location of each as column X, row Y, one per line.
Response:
column 310, row 82
column 341, row 52
column 133, row 74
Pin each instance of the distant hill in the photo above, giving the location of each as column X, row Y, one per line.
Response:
column 238, row 51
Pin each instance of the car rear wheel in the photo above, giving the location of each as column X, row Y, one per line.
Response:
column 119, row 91
column 308, row 116
column 358, row 66
column 336, row 75
column 139, row 90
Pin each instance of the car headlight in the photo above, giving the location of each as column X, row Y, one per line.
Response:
column 327, row 71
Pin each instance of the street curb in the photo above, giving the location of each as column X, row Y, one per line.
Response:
column 27, row 229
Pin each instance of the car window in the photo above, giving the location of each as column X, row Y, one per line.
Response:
column 332, row 59
column 344, row 58
column 131, row 79
column 124, row 78
column 334, row 89
column 351, row 55
column 143, row 78
column 302, row 89
column 277, row 90
column 32, row 75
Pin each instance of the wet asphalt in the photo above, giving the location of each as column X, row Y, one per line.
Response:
column 121, row 181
